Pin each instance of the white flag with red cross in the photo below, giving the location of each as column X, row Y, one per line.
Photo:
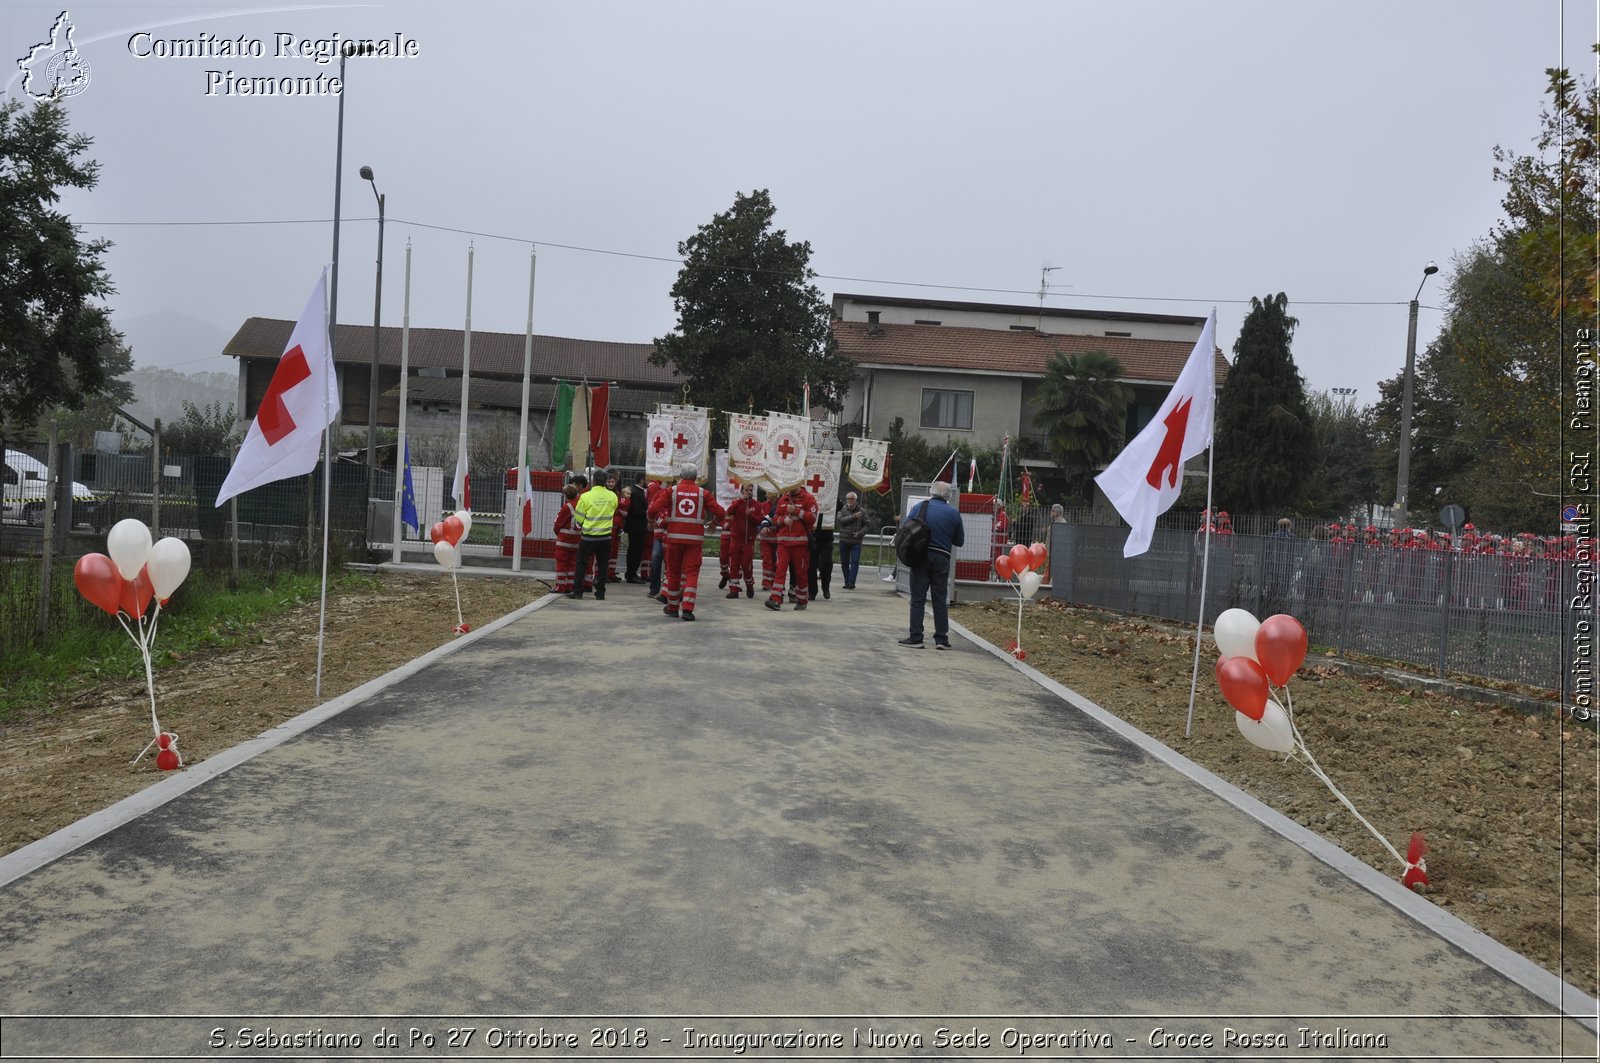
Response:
column 302, row 399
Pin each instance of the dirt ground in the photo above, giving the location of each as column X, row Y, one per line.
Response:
column 1507, row 801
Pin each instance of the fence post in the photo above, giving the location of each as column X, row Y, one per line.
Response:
column 1349, row 591
column 47, row 531
column 1444, row 610
column 155, row 489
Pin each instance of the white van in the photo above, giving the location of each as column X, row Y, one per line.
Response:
column 25, row 480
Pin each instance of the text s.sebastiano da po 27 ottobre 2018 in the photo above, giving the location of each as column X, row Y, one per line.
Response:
column 322, row 51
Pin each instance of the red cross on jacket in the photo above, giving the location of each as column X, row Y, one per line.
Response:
column 683, row 510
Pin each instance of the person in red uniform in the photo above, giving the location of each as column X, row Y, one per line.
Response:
column 613, row 481
column 566, row 540
column 745, row 515
column 766, row 541
column 794, row 514
column 684, row 509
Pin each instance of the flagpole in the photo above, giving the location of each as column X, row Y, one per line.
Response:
column 522, row 434
column 333, row 325
column 1205, row 567
column 405, row 357
column 466, row 379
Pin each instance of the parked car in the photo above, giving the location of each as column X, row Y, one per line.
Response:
column 25, row 478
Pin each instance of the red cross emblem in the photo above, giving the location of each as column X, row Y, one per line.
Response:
column 816, row 483
column 786, row 449
column 273, row 416
column 680, row 441
column 688, row 505
column 658, row 444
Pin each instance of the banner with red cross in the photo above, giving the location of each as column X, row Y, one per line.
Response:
column 747, row 448
column 822, row 480
column 658, row 446
column 690, row 438
column 787, row 436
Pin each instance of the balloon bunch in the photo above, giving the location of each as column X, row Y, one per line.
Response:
column 123, row 584
column 1258, row 657
column 447, row 535
column 1021, row 566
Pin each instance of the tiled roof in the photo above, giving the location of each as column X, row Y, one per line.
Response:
column 496, row 353
column 1023, row 353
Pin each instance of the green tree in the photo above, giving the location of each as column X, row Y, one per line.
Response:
column 210, row 430
column 1083, row 408
column 1264, row 442
column 1345, row 476
column 55, row 342
column 752, row 329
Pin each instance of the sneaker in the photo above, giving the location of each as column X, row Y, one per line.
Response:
column 670, row 611
column 772, row 604
column 799, row 605
column 941, row 645
column 688, row 614
column 889, row 578
column 724, row 582
column 915, row 644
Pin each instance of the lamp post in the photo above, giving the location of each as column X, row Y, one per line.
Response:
column 1402, row 480
column 377, row 317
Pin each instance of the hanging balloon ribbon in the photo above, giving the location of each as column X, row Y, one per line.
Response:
column 123, row 582
column 1257, row 657
column 1018, row 567
column 447, row 535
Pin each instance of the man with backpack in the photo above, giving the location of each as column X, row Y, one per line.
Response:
column 931, row 574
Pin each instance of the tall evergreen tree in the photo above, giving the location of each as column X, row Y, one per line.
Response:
column 752, row 329
column 55, row 340
column 1265, row 446
column 1083, row 409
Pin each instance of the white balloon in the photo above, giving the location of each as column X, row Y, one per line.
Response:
column 1235, row 633
column 169, row 566
column 465, row 516
column 445, row 554
column 128, row 543
column 1029, row 581
column 1271, row 732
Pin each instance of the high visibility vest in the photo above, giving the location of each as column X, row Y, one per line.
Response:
column 595, row 510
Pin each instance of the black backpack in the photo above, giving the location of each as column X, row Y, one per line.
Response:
column 911, row 540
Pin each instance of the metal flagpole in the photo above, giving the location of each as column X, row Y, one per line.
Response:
column 1205, row 566
column 466, row 377
column 405, row 356
column 522, row 435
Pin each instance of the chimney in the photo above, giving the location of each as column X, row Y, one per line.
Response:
column 873, row 328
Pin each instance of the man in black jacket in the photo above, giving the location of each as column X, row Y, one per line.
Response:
column 637, row 525
column 932, row 577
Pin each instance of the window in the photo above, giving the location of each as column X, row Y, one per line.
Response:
column 1127, row 334
column 947, row 409
column 925, row 321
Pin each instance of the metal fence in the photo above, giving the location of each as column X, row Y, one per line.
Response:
column 1488, row 616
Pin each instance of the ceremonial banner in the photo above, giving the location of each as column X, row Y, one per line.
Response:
column 786, row 449
column 822, row 480
column 869, row 458
column 600, row 423
column 658, row 446
column 691, row 436
column 727, row 486
column 747, row 447
column 561, row 436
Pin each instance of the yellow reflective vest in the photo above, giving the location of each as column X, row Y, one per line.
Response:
column 595, row 510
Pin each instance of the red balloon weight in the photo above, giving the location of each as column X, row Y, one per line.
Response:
column 1021, row 560
column 453, row 529
column 1281, row 647
column 1038, row 554
column 164, row 740
column 436, row 533
column 1244, row 684
column 167, row 760
column 1002, row 565
column 136, row 595
column 98, row 581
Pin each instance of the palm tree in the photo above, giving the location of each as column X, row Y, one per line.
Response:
column 1082, row 408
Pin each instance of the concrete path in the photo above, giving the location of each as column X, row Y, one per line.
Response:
column 592, row 820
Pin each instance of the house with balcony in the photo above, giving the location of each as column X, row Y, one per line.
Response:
column 968, row 372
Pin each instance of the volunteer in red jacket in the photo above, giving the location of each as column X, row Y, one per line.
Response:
column 744, row 523
column 794, row 514
column 566, row 540
column 685, row 509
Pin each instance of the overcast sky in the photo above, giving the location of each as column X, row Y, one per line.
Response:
column 1166, row 156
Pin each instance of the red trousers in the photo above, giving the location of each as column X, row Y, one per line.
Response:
column 798, row 556
column 769, row 562
column 566, row 562
column 740, row 562
column 681, row 573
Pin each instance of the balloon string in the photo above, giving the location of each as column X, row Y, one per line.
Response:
column 1019, row 615
column 456, row 583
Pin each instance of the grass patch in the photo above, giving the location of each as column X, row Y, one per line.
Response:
column 204, row 613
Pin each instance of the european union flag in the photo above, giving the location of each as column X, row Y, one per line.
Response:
column 408, row 495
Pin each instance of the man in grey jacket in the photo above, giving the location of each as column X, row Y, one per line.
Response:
column 850, row 525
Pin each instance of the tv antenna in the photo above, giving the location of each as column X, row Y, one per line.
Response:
column 1044, row 286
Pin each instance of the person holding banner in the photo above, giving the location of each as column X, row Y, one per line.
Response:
column 684, row 509
column 851, row 524
column 794, row 514
column 745, row 515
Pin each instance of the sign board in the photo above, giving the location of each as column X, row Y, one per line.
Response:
column 1569, row 514
column 1451, row 516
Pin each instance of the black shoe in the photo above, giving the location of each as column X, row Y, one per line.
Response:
column 688, row 614
column 723, row 584
column 825, row 593
column 662, row 598
column 599, row 597
column 799, row 605
column 749, row 592
column 774, row 606
column 575, row 596
column 670, row 611
column 915, row 644
column 849, row 586
column 941, row 645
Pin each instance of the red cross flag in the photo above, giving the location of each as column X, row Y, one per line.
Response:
column 303, row 398
column 1147, row 477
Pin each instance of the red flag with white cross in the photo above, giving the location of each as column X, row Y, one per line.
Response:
column 302, row 399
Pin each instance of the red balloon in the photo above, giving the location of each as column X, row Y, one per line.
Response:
column 1244, row 684
column 1002, row 565
column 167, row 760
column 1039, row 555
column 1281, row 647
column 137, row 594
column 98, row 581
column 164, row 740
column 436, row 533
column 1021, row 560
column 453, row 529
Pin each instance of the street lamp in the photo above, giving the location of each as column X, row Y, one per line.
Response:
column 372, row 383
column 1407, row 387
